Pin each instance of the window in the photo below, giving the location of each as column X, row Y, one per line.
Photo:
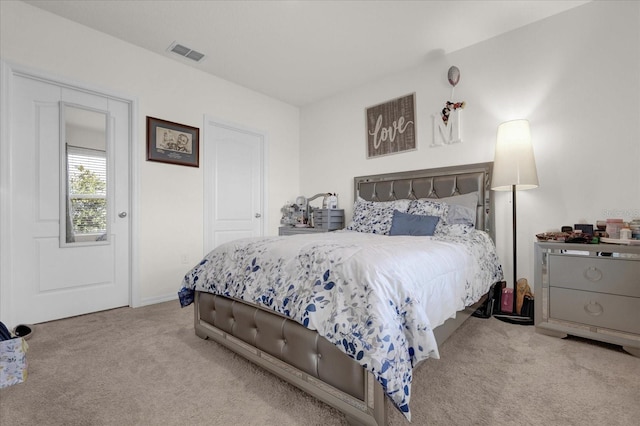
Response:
column 87, row 186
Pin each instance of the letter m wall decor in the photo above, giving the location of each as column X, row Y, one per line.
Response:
column 391, row 126
column 447, row 133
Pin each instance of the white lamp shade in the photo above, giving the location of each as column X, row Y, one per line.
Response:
column 514, row 163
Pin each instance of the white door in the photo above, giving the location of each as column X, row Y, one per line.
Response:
column 69, row 249
column 234, row 182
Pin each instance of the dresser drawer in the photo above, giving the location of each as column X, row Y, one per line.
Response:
column 596, row 309
column 591, row 273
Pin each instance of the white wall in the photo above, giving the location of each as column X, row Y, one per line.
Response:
column 575, row 76
column 170, row 197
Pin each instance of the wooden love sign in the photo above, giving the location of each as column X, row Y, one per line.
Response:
column 391, row 127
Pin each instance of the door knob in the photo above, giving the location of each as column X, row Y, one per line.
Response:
column 258, row 215
column 122, row 214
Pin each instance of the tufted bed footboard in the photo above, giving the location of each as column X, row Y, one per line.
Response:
column 299, row 355
column 294, row 353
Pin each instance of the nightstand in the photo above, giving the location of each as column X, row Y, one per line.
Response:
column 292, row 230
column 589, row 290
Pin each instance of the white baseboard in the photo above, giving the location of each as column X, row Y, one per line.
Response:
column 158, row 299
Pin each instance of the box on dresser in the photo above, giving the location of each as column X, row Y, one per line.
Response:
column 330, row 219
column 589, row 290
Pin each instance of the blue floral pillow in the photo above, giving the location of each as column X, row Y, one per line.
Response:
column 375, row 217
column 427, row 207
column 456, row 229
column 449, row 223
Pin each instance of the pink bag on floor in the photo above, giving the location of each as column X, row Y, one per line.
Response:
column 506, row 303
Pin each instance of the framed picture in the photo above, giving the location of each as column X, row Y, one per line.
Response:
column 391, row 126
column 169, row 142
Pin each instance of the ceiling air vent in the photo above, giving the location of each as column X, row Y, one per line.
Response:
column 186, row 52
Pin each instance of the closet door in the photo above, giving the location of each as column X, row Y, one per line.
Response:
column 234, row 182
column 69, row 191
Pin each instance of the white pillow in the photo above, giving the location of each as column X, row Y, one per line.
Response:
column 462, row 208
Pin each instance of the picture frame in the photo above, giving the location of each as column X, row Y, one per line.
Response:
column 172, row 143
column 391, row 126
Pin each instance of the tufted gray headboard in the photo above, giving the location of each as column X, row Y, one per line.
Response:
column 434, row 183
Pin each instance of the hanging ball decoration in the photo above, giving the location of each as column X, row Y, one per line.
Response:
column 453, row 75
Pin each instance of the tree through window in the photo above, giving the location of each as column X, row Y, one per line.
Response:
column 87, row 171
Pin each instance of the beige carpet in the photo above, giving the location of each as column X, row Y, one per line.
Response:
column 145, row 366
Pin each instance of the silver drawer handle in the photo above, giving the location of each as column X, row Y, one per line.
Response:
column 593, row 274
column 593, row 308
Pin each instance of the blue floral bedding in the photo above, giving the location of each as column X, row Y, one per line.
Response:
column 376, row 297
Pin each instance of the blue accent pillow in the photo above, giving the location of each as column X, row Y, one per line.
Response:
column 413, row 224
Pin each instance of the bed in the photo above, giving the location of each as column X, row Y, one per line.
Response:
column 347, row 315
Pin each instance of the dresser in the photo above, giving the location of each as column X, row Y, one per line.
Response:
column 325, row 220
column 293, row 230
column 589, row 290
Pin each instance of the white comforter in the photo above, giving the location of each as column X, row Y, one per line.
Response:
column 376, row 297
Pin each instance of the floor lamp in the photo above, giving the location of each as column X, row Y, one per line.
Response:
column 514, row 169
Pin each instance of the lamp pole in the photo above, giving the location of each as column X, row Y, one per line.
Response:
column 514, row 169
column 515, row 247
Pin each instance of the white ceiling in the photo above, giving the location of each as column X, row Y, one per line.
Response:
column 303, row 51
